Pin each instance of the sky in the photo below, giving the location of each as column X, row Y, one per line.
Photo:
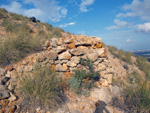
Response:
column 121, row 23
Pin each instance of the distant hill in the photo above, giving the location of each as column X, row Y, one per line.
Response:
column 144, row 53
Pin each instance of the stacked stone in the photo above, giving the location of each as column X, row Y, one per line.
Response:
column 61, row 55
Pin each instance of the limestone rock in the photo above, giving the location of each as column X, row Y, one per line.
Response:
column 102, row 94
column 71, row 64
column 60, row 49
column 100, row 52
column 75, row 59
column 60, row 41
column 109, row 79
column 12, row 97
column 104, row 82
column 64, row 56
column 92, row 56
column 60, row 68
column 2, row 72
column 98, row 61
column 4, row 92
column 71, row 46
column 77, row 52
column 51, row 55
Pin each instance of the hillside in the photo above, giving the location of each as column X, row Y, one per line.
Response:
column 21, row 36
column 67, row 73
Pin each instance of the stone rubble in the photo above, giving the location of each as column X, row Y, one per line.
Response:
column 63, row 55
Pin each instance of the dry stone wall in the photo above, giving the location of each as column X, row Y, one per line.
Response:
column 62, row 55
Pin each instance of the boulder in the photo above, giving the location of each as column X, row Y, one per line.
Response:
column 4, row 92
column 75, row 59
column 51, row 55
column 92, row 56
column 71, row 46
column 77, row 52
column 100, row 52
column 64, row 56
column 71, row 64
column 60, row 49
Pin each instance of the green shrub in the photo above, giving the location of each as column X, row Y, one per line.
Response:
column 74, row 84
column 43, row 89
column 83, row 79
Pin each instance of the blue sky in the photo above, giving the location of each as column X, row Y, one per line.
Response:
column 122, row 23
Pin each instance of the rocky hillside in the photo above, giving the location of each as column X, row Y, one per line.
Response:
column 63, row 56
column 70, row 74
column 21, row 36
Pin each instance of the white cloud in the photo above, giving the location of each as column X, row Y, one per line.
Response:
column 44, row 10
column 84, row 4
column 118, row 24
column 66, row 25
column 144, row 27
column 128, row 40
column 140, row 8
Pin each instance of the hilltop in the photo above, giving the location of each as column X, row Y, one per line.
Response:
column 66, row 73
column 21, row 36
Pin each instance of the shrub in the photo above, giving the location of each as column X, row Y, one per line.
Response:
column 43, row 89
column 83, row 79
column 3, row 13
column 33, row 19
column 136, row 94
column 126, row 66
column 48, row 26
column 120, row 54
column 14, row 48
column 143, row 65
column 57, row 32
column 16, row 16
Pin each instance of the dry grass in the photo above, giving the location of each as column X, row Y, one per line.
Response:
column 43, row 89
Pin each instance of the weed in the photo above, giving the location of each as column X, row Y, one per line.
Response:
column 136, row 94
column 43, row 88
column 83, row 79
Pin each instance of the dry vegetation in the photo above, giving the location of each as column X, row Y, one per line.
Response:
column 43, row 89
column 20, row 39
column 136, row 89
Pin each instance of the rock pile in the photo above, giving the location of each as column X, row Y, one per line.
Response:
column 63, row 55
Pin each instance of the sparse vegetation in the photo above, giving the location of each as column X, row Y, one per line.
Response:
column 136, row 94
column 16, row 16
column 122, row 55
column 144, row 65
column 43, row 88
column 83, row 79
column 3, row 13
column 20, row 40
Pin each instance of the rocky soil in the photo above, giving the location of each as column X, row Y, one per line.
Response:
column 63, row 55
